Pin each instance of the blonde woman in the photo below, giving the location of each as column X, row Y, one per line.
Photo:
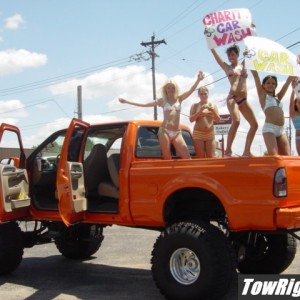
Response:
column 170, row 132
column 204, row 113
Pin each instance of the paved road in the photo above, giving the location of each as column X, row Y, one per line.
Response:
column 120, row 270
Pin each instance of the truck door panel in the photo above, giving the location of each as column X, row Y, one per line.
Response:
column 14, row 199
column 70, row 175
column 14, row 184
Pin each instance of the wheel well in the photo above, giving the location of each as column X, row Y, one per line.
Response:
column 193, row 204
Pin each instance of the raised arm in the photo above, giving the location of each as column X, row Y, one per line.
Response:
column 258, row 84
column 292, row 104
column 219, row 60
column 193, row 87
column 260, row 91
column 284, row 88
column 148, row 104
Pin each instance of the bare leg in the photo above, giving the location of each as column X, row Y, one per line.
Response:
column 271, row 143
column 164, row 142
column 199, row 148
column 181, row 147
column 248, row 114
column 283, row 145
column 210, row 148
column 235, row 115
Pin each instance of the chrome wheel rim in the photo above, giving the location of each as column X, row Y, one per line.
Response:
column 185, row 266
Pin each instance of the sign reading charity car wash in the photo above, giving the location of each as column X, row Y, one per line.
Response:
column 227, row 27
column 223, row 126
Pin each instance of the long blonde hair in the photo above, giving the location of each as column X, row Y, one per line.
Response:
column 164, row 92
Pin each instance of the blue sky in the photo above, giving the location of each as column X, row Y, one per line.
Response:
column 49, row 47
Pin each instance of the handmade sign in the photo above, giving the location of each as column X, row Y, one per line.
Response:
column 227, row 27
column 268, row 56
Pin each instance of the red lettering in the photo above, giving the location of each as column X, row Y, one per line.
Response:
column 233, row 37
column 227, row 14
column 207, row 20
column 221, row 17
column 214, row 18
column 220, row 41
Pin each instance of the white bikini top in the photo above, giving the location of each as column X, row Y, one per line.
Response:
column 271, row 101
column 169, row 107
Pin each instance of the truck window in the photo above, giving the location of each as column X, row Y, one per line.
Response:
column 147, row 144
column 10, row 147
column 109, row 136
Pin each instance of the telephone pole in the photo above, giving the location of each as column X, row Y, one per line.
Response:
column 79, row 102
column 152, row 54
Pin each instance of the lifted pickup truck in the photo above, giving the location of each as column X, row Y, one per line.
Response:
column 215, row 215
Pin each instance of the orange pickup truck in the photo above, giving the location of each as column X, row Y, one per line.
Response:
column 214, row 215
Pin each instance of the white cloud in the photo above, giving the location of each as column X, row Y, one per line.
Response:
column 14, row 22
column 109, row 83
column 13, row 60
column 12, row 109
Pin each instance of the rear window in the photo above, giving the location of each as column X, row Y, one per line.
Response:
column 147, row 144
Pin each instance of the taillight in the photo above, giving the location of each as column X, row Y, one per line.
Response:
column 280, row 186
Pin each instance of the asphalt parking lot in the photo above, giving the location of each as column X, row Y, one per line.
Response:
column 119, row 270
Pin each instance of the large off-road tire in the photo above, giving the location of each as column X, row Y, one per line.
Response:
column 191, row 261
column 11, row 247
column 79, row 242
column 267, row 253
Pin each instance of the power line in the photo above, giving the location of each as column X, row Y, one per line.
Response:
column 54, row 80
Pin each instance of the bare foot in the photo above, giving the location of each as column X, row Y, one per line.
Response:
column 248, row 155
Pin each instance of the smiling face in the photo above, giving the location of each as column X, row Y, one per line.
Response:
column 170, row 90
column 269, row 84
column 232, row 56
column 203, row 94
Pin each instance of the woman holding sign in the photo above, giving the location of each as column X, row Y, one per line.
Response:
column 237, row 98
column 273, row 130
column 295, row 113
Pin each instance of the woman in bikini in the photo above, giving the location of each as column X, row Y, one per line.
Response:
column 237, row 99
column 204, row 113
column 273, row 130
column 295, row 114
column 169, row 133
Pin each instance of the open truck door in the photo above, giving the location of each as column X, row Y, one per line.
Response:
column 14, row 199
column 70, row 177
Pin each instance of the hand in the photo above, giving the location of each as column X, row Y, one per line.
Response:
column 122, row 100
column 294, row 82
column 201, row 75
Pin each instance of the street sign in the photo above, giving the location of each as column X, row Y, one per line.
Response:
column 221, row 129
column 224, row 119
column 223, row 126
